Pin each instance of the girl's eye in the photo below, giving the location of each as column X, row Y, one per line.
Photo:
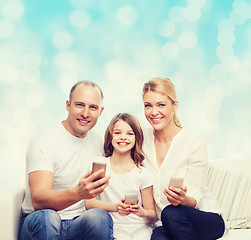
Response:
column 116, row 132
column 131, row 133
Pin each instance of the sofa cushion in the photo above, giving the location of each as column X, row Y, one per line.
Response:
column 230, row 182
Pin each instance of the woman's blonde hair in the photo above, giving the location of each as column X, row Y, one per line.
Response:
column 165, row 87
column 136, row 151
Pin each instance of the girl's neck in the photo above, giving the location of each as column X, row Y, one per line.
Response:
column 121, row 163
column 167, row 134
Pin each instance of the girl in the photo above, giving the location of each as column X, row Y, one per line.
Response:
column 122, row 146
column 172, row 151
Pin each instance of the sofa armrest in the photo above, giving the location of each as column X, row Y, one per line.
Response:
column 230, row 182
column 11, row 199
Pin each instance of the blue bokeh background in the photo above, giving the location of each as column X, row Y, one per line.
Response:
column 203, row 46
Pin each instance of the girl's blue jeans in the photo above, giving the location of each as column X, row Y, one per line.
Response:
column 46, row 224
column 186, row 223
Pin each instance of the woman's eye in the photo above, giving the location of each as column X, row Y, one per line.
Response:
column 162, row 105
column 147, row 105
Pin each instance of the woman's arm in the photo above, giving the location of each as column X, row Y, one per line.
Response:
column 95, row 203
column 178, row 196
column 147, row 212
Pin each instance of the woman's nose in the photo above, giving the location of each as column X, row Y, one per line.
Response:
column 154, row 111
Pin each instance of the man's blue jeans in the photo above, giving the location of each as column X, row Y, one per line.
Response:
column 186, row 223
column 93, row 224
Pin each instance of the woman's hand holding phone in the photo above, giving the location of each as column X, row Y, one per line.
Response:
column 175, row 192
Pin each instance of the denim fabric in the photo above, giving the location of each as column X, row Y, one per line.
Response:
column 94, row 224
column 186, row 223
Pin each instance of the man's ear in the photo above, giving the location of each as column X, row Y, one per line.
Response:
column 102, row 109
column 67, row 105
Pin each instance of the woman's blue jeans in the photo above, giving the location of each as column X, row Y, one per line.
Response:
column 46, row 224
column 186, row 223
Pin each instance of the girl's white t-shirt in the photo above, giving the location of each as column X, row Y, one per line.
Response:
column 126, row 227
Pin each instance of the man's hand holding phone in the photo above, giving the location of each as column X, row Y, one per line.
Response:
column 94, row 183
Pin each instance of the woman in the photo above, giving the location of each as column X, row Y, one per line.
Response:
column 171, row 151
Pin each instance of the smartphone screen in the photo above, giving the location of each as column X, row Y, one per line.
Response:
column 131, row 198
column 96, row 167
column 176, row 182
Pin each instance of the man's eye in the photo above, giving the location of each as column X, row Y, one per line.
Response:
column 93, row 107
column 79, row 104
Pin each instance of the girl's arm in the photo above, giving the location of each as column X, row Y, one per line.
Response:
column 95, row 203
column 147, row 212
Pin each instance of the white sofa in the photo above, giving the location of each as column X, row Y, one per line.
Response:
column 228, row 179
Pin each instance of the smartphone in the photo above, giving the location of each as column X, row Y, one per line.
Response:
column 176, row 182
column 131, row 198
column 96, row 167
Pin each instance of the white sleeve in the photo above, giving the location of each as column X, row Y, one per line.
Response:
column 146, row 178
column 39, row 156
column 196, row 169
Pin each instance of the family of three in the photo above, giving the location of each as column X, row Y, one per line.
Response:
column 64, row 199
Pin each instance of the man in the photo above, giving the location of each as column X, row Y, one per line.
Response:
column 58, row 164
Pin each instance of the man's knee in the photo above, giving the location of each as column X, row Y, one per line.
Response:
column 46, row 221
column 98, row 216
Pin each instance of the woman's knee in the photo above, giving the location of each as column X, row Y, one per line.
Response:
column 173, row 213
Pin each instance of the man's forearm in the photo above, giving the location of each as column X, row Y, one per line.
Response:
column 55, row 199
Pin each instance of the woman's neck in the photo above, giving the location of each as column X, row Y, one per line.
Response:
column 166, row 134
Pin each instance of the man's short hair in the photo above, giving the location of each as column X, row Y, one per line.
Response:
column 86, row 83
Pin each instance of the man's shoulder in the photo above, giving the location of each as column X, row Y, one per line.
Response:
column 94, row 135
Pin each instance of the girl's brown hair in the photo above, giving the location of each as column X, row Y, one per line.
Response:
column 136, row 154
column 165, row 87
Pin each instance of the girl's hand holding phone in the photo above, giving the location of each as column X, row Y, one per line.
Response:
column 138, row 210
column 123, row 208
column 175, row 195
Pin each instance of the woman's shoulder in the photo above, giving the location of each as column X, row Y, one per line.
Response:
column 190, row 136
column 148, row 135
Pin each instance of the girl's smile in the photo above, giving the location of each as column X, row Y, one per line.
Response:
column 123, row 137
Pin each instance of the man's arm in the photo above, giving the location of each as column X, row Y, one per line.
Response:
column 43, row 196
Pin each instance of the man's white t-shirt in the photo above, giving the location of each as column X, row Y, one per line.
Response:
column 67, row 157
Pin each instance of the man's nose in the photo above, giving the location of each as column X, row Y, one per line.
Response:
column 85, row 112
